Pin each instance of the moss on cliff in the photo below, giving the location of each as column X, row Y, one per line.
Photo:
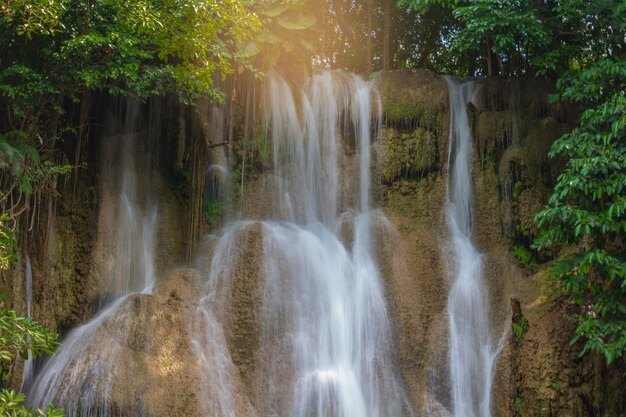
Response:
column 414, row 98
column 550, row 378
column 408, row 155
column 63, row 283
column 415, row 104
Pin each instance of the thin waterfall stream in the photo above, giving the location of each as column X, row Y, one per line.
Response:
column 80, row 377
column 471, row 353
column 27, row 374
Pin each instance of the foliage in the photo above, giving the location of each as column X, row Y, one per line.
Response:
column 22, row 162
column 582, row 43
column 54, row 53
column 7, row 243
column 21, row 336
column 213, row 209
column 11, row 405
column 555, row 385
column 18, row 335
column 522, row 37
column 34, row 17
column 141, row 48
column 423, row 39
column 588, row 207
column 423, row 5
column 506, row 28
column 519, row 328
column 24, row 175
column 424, row 32
column 54, row 50
column 524, row 256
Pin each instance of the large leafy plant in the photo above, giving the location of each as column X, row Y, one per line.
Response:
column 19, row 336
column 588, row 208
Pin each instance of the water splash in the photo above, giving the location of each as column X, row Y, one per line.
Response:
column 471, row 354
column 80, row 376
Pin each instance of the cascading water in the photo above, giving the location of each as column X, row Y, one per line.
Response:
column 324, row 345
column 27, row 375
column 471, row 353
column 325, row 338
column 79, row 376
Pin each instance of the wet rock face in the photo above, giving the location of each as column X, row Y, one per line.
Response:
column 414, row 139
column 141, row 358
column 514, row 125
column 414, row 97
column 408, row 155
column 142, row 361
column 549, row 377
column 414, row 269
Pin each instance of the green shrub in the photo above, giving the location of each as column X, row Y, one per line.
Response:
column 519, row 328
column 19, row 336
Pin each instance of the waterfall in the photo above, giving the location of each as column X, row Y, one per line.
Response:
column 292, row 318
column 471, row 353
column 325, row 340
column 79, row 376
column 27, row 375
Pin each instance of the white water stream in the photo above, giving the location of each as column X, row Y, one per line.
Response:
column 27, row 375
column 471, row 353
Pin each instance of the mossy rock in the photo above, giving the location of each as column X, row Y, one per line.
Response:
column 492, row 133
column 414, row 97
column 408, row 155
column 529, row 95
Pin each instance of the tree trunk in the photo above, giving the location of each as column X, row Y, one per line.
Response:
column 500, row 66
column 83, row 134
